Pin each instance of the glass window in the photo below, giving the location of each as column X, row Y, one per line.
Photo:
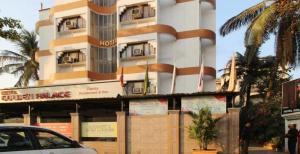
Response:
column 49, row 140
column 14, row 140
column 104, row 60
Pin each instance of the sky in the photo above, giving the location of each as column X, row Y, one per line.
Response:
column 27, row 12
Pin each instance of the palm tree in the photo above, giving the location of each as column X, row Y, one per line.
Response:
column 263, row 73
column 22, row 63
column 279, row 17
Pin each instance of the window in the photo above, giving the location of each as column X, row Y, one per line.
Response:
column 106, row 3
column 48, row 140
column 137, row 12
column 104, row 60
column 103, row 27
column 137, row 88
column 14, row 140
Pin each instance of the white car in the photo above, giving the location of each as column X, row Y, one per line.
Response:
column 35, row 140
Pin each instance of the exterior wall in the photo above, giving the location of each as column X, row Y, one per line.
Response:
column 60, row 2
column 151, row 134
column 102, row 147
column 182, row 16
column 147, row 134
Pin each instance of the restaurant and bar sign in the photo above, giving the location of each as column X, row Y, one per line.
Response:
column 291, row 97
column 217, row 104
column 61, row 92
column 99, row 129
column 148, row 107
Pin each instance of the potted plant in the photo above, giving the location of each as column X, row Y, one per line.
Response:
column 203, row 130
column 275, row 143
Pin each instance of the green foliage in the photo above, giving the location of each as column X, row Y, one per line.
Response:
column 9, row 27
column 203, row 128
column 264, row 78
column 21, row 63
column 268, row 121
column 263, row 74
column 276, row 17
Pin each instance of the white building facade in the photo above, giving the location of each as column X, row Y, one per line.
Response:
column 94, row 40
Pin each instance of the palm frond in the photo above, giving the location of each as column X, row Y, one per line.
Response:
column 27, row 43
column 10, row 59
column 242, row 19
column 9, row 68
column 286, row 44
column 262, row 26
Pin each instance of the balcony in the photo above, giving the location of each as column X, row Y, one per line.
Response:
column 138, row 51
column 71, row 25
column 137, row 88
column 69, row 61
column 138, row 14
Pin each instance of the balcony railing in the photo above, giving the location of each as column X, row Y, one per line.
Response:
column 135, row 13
column 137, row 50
column 71, row 24
column 71, row 57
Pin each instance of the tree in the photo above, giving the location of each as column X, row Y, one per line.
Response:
column 203, row 127
column 23, row 62
column 264, row 76
column 9, row 27
column 279, row 17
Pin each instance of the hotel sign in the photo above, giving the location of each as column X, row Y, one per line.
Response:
column 61, row 92
column 108, row 43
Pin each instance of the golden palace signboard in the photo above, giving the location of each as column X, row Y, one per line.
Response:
column 61, row 92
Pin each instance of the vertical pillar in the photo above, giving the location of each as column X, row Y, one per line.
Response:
column 234, row 130
column 29, row 119
column 173, row 132
column 121, row 127
column 75, row 122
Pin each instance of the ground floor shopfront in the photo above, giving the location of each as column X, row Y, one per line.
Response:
column 129, row 124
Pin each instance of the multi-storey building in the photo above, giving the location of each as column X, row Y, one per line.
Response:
column 92, row 40
column 99, row 40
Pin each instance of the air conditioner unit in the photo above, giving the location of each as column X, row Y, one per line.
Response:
column 71, row 24
column 137, row 13
column 137, row 90
column 67, row 59
column 138, row 52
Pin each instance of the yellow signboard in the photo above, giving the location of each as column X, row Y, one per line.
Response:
column 99, row 129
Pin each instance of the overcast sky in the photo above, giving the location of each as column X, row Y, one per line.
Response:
column 27, row 12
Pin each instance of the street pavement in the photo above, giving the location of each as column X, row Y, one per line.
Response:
column 261, row 150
